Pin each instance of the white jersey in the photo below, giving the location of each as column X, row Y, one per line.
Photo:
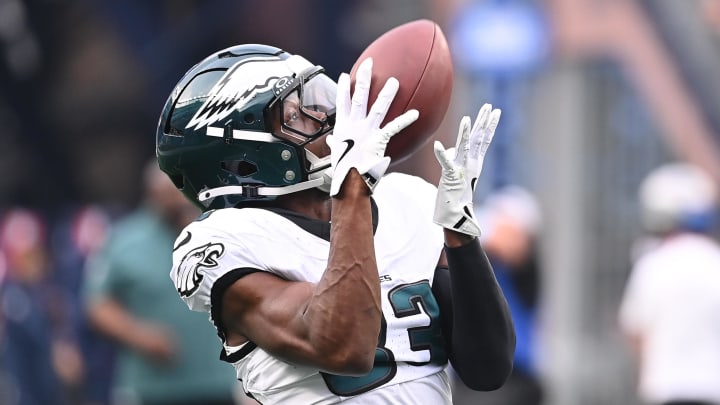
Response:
column 672, row 304
column 410, row 357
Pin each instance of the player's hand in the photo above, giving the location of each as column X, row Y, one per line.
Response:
column 461, row 167
column 155, row 343
column 357, row 140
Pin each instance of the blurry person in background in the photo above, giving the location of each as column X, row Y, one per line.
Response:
column 76, row 235
column 167, row 355
column 40, row 360
column 511, row 218
column 670, row 311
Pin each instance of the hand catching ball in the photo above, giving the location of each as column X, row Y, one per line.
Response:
column 417, row 54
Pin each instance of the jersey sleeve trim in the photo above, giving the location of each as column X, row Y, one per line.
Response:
column 217, row 292
column 236, row 356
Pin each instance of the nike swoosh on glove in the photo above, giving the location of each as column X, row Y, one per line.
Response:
column 461, row 167
column 357, row 140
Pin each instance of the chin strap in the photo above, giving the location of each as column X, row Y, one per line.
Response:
column 252, row 191
column 320, row 169
column 319, row 177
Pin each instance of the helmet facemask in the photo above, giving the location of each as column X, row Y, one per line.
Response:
column 304, row 107
column 304, row 111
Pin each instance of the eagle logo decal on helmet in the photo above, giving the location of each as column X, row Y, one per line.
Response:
column 190, row 271
column 233, row 91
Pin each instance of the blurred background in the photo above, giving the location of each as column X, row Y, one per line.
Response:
column 594, row 93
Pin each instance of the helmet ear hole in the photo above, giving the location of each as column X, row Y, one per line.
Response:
column 242, row 168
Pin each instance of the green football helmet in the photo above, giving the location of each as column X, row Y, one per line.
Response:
column 236, row 127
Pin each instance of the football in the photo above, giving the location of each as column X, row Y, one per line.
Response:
column 417, row 54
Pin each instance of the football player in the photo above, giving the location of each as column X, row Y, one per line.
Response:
column 326, row 280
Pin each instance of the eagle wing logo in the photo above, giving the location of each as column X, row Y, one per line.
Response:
column 237, row 87
column 190, row 271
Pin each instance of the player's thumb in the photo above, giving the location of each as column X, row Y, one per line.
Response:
column 377, row 171
column 442, row 155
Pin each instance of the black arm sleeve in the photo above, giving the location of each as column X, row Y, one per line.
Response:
column 476, row 319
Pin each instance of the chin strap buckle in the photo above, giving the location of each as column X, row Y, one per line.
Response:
column 250, row 191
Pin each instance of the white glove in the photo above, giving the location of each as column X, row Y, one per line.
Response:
column 461, row 167
column 357, row 140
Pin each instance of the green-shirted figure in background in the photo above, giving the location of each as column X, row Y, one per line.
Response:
column 166, row 355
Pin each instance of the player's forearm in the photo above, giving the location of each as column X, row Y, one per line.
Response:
column 483, row 337
column 345, row 310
